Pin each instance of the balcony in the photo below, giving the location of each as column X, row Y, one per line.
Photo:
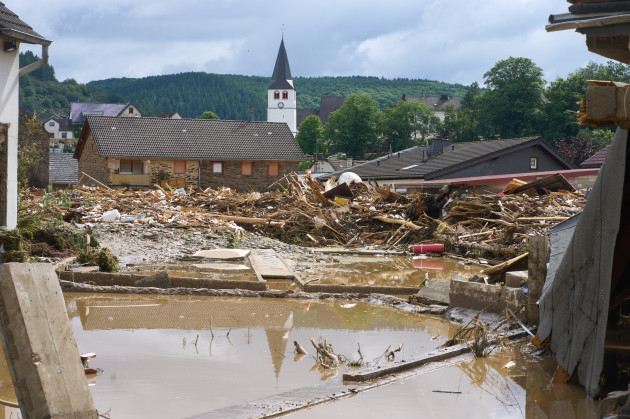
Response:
column 132, row 180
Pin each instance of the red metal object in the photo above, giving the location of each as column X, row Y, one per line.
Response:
column 428, row 248
column 428, row 264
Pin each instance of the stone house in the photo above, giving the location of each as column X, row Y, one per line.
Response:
column 243, row 155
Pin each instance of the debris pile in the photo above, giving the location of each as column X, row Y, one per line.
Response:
column 300, row 210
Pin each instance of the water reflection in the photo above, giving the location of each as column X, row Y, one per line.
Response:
column 180, row 349
column 380, row 271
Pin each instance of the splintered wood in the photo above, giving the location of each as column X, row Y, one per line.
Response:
column 301, row 211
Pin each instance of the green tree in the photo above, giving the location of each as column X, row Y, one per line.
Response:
column 461, row 124
column 309, row 133
column 209, row 115
column 564, row 94
column 511, row 105
column 407, row 123
column 355, row 126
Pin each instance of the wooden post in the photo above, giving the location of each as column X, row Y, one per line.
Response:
column 39, row 345
column 538, row 247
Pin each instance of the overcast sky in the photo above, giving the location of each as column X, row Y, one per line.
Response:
column 454, row 41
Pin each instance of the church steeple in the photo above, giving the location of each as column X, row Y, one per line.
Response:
column 281, row 96
column 281, row 77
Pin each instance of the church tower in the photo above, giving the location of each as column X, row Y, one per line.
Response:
column 281, row 96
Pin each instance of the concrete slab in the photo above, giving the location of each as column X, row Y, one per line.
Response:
column 482, row 297
column 267, row 263
column 222, row 254
column 39, row 345
column 515, row 279
column 85, row 269
column 221, row 267
column 435, row 292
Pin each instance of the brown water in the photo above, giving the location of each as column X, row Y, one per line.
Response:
column 380, row 270
column 146, row 346
column 154, row 368
column 508, row 384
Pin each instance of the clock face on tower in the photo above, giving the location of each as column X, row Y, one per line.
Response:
column 280, row 105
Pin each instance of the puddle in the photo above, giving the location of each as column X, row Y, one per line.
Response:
column 508, row 384
column 146, row 346
column 379, row 270
column 237, row 271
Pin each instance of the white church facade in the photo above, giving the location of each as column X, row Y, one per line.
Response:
column 281, row 95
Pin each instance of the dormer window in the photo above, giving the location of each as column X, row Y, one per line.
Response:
column 285, row 95
column 276, row 95
column 130, row 110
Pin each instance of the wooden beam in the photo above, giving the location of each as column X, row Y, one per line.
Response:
column 538, row 247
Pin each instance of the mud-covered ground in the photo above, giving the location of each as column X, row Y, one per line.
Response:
column 134, row 243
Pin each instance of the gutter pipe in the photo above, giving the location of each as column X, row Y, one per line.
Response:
column 37, row 64
column 30, row 39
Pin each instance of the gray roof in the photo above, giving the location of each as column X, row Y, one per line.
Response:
column 408, row 164
column 303, row 113
column 65, row 123
column 63, row 168
column 11, row 26
column 327, row 105
column 79, row 110
column 436, row 103
column 191, row 139
column 281, row 77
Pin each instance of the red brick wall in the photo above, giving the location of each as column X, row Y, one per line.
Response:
column 231, row 177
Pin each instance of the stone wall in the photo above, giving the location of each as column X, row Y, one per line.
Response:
column 232, row 177
column 192, row 171
column 94, row 165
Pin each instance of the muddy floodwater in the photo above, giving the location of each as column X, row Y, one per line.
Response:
column 160, row 360
column 372, row 270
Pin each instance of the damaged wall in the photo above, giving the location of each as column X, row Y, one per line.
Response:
column 574, row 306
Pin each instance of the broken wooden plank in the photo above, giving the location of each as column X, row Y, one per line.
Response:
column 434, row 356
column 39, row 344
column 495, row 273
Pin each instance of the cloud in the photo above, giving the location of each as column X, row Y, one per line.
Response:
column 454, row 41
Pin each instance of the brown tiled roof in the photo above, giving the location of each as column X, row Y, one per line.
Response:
column 14, row 27
column 596, row 160
column 191, row 139
column 408, row 164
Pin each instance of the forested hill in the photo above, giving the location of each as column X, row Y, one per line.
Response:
column 230, row 96
column 191, row 94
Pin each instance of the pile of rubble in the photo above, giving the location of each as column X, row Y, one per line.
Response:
column 300, row 210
